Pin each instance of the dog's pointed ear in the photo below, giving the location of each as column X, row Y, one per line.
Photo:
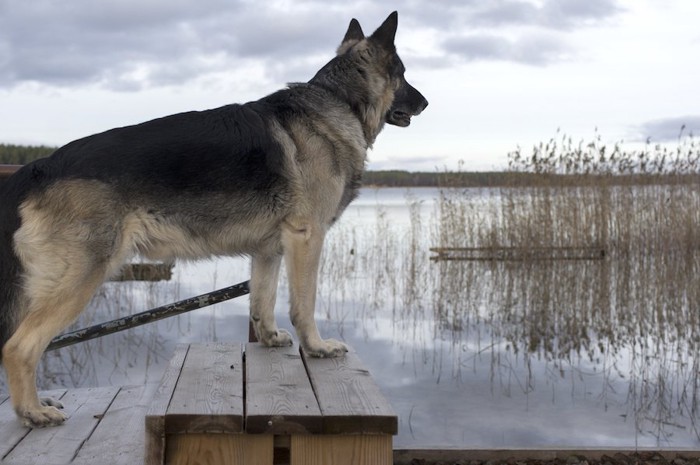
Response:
column 354, row 32
column 353, row 36
column 386, row 33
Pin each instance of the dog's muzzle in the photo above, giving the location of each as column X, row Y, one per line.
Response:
column 407, row 103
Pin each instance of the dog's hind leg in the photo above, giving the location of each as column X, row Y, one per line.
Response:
column 263, row 293
column 66, row 245
column 303, row 242
column 46, row 316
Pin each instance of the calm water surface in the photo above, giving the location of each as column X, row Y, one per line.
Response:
column 470, row 354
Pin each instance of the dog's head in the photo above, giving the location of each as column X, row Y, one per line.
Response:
column 368, row 73
column 407, row 101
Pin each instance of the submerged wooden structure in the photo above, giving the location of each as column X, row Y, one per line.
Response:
column 480, row 254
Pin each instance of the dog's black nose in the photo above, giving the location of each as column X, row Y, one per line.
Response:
column 422, row 106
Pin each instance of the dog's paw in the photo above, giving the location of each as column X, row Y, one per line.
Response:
column 328, row 348
column 50, row 402
column 43, row 416
column 279, row 338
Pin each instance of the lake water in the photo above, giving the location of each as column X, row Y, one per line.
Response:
column 470, row 354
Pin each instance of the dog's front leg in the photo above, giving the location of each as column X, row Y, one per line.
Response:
column 263, row 294
column 302, row 242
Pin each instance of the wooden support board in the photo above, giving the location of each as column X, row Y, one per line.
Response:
column 341, row 449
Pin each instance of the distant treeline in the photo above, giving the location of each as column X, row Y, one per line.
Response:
column 398, row 178
column 464, row 179
column 21, row 154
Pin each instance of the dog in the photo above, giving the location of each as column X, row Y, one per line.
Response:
column 265, row 179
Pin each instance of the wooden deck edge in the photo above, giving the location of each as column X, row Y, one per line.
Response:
column 406, row 456
column 350, row 400
column 154, row 446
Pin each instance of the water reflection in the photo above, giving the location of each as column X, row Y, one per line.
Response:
column 626, row 330
column 471, row 354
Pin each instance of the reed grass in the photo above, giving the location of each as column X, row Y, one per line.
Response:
column 638, row 306
column 586, row 195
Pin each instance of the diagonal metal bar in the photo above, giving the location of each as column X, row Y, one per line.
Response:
column 155, row 314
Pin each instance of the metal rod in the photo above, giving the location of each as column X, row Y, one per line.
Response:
column 149, row 316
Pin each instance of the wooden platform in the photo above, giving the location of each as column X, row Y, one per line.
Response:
column 236, row 404
column 219, row 403
column 105, row 427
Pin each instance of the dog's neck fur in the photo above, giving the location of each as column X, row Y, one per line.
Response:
column 338, row 80
column 354, row 78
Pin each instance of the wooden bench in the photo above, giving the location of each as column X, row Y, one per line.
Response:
column 248, row 404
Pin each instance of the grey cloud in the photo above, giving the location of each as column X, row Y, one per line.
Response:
column 528, row 49
column 132, row 44
column 568, row 13
column 552, row 14
column 669, row 129
column 516, row 30
column 145, row 43
column 505, row 12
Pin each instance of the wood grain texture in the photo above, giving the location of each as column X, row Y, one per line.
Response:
column 217, row 449
column 60, row 444
column 119, row 436
column 154, row 453
column 349, row 399
column 279, row 397
column 209, row 394
column 356, row 449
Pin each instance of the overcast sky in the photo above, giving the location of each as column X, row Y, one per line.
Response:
column 498, row 73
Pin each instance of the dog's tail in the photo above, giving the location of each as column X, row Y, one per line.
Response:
column 12, row 191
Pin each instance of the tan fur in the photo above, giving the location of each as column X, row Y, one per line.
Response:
column 62, row 277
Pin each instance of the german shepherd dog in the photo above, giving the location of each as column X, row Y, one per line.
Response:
column 265, row 179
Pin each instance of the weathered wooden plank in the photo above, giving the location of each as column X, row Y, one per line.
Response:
column 8, row 170
column 11, row 429
column 209, row 394
column 233, row 449
column 59, row 445
column 279, row 397
column 353, row 449
column 118, row 438
column 155, row 417
column 350, row 400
